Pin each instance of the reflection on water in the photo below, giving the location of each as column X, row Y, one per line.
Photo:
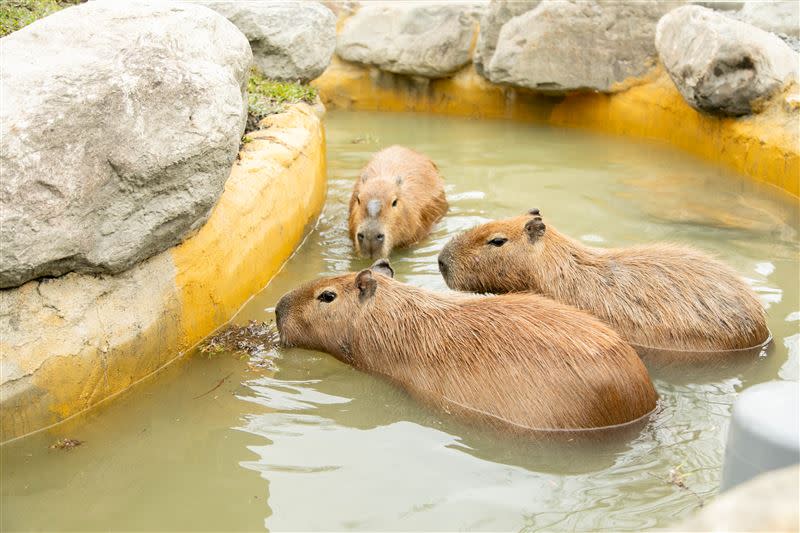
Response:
column 315, row 444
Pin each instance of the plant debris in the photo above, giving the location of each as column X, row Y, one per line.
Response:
column 678, row 479
column 256, row 339
column 215, row 387
column 66, row 444
column 365, row 139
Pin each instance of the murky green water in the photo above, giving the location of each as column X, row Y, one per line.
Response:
column 315, row 444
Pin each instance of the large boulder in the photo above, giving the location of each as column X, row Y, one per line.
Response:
column 565, row 45
column 119, row 124
column 721, row 65
column 780, row 17
column 430, row 39
column 291, row 41
column 494, row 18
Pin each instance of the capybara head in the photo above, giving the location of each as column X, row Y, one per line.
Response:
column 376, row 208
column 494, row 257
column 318, row 315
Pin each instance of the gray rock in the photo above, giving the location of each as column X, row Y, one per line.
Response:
column 721, row 65
column 765, row 503
column 291, row 41
column 721, row 5
column 779, row 17
column 565, row 45
column 430, row 39
column 494, row 18
column 119, row 124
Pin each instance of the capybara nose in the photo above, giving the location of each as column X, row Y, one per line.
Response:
column 280, row 310
column 444, row 261
column 443, row 267
column 371, row 241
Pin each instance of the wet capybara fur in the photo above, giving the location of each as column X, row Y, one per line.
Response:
column 662, row 296
column 515, row 361
column 396, row 200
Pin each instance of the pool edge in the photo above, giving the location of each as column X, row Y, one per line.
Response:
column 150, row 316
column 763, row 146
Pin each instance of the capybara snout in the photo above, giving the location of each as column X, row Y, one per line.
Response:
column 371, row 238
column 396, row 200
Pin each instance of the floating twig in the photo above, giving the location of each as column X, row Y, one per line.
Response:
column 215, row 387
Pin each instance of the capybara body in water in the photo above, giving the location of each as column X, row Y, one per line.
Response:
column 396, row 200
column 660, row 296
column 515, row 361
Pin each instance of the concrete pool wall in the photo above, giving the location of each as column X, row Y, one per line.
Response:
column 764, row 146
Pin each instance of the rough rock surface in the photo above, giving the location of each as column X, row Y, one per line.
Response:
column 119, row 125
column 781, row 17
column 721, row 5
column 496, row 15
column 430, row 39
column 721, row 65
column 565, row 45
column 765, row 503
column 291, row 41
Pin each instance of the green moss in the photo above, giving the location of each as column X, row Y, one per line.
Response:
column 16, row 14
column 266, row 97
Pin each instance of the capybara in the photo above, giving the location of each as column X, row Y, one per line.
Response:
column 396, row 200
column 517, row 361
column 662, row 296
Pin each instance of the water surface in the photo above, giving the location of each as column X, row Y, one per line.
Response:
column 313, row 444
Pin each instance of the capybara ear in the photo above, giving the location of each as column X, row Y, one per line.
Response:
column 366, row 285
column 535, row 228
column 534, row 211
column 382, row 266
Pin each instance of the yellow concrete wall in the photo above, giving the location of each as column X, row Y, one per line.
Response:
column 765, row 146
column 75, row 341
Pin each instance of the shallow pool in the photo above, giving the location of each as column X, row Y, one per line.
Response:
column 313, row 444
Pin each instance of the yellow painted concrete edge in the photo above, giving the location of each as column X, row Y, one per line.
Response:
column 96, row 336
column 764, row 146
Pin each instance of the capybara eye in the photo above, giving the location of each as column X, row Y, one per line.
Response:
column 394, row 202
column 360, row 236
column 326, row 296
column 358, row 200
column 498, row 241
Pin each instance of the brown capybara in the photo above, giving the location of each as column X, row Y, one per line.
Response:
column 396, row 200
column 661, row 296
column 516, row 361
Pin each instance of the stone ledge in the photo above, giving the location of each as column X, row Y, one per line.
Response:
column 72, row 342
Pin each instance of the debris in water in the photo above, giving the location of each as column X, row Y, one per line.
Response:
column 256, row 341
column 677, row 479
column 366, row 139
column 66, row 444
column 215, row 387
